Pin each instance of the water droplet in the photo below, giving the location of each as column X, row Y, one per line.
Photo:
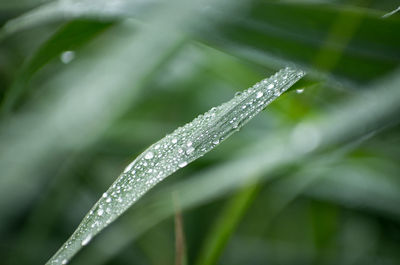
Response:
column 300, row 90
column 259, row 94
column 108, row 199
column 64, row 261
column 100, row 212
column 174, row 141
column 216, row 141
column 189, row 144
column 182, row 164
column 86, row 240
column 129, row 167
column 301, row 74
column 149, row 155
column 157, row 147
column 189, row 150
column 238, row 94
column 104, row 195
column 67, row 57
column 270, row 86
column 95, row 224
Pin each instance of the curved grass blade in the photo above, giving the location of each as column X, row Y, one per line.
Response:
column 173, row 152
column 347, row 122
column 63, row 40
column 226, row 225
column 256, row 33
column 60, row 11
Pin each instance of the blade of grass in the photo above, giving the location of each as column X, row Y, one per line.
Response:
column 391, row 13
column 226, row 224
column 69, row 37
column 173, row 152
column 266, row 33
column 60, row 11
column 21, row 4
column 349, row 120
column 356, row 187
column 269, row 33
column 180, row 245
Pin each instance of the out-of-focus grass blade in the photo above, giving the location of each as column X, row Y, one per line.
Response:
column 350, row 120
column 20, row 4
column 175, row 151
column 357, row 186
column 67, row 39
column 58, row 11
column 226, row 224
column 85, row 98
column 329, row 37
column 218, row 237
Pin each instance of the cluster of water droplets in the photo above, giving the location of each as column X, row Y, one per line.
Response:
column 175, row 151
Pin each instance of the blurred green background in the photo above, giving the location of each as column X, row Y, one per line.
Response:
column 86, row 86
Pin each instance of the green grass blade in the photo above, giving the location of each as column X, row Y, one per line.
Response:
column 226, row 224
column 173, row 152
column 266, row 32
column 58, row 11
column 268, row 29
column 64, row 39
column 357, row 116
column 21, row 4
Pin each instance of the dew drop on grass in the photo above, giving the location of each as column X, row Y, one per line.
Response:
column 129, row 167
column 183, row 164
column 86, row 240
column 149, row 155
column 300, row 90
column 189, row 150
column 259, row 94
column 100, row 212
column 67, row 57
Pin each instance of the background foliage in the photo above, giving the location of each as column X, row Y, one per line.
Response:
column 87, row 85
